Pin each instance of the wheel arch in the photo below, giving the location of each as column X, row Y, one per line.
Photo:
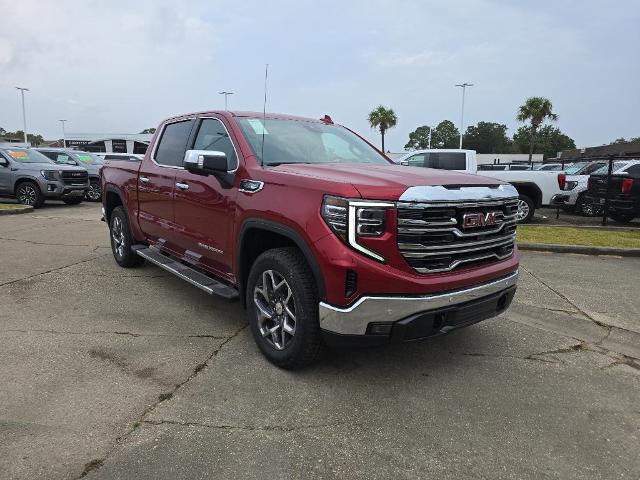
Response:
column 531, row 190
column 23, row 179
column 112, row 198
column 257, row 236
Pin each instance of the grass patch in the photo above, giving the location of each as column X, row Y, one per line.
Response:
column 579, row 236
column 11, row 206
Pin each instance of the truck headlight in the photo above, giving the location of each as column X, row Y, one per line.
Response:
column 49, row 174
column 352, row 219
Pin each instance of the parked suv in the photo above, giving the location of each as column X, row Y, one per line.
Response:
column 89, row 161
column 318, row 233
column 32, row 178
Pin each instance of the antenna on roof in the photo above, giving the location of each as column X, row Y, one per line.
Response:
column 264, row 113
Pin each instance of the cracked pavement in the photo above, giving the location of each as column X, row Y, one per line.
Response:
column 109, row 373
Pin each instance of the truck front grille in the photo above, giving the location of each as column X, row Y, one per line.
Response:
column 440, row 237
column 74, row 177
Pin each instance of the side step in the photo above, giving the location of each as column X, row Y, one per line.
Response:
column 204, row 282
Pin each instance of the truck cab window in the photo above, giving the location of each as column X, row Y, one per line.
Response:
column 173, row 144
column 213, row 136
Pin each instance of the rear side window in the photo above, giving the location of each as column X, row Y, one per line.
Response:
column 440, row 160
column 634, row 170
column 213, row 136
column 173, row 143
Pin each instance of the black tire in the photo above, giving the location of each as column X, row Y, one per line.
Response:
column 526, row 208
column 72, row 200
column 621, row 217
column 304, row 345
column 121, row 240
column 28, row 193
column 94, row 193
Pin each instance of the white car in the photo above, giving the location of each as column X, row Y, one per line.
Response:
column 536, row 187
column 573, row 195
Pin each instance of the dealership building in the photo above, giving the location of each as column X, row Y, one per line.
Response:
column 117, row 143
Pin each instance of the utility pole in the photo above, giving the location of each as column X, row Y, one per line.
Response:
column 464, row 89
column 430, row 128
column 64, row 136
column 226, row 94
column 24, row 115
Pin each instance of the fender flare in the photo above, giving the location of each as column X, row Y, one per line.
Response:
column 285, row 231
column 113, row 189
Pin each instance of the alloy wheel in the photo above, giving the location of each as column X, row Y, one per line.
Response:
column 117, row 233
column 93, row 193
column 523, row 210
column 27, row 195
column 275, row 308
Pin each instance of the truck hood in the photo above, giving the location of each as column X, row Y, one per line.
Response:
column 385, row 182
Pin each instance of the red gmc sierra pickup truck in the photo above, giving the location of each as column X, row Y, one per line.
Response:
column 322, row 238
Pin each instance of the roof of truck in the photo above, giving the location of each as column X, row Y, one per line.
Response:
column 224, row 113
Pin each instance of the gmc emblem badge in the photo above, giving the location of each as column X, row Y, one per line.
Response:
column 479, row 219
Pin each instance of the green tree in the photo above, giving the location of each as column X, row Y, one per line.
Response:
column 535, row 111
column 148, row 130
column 2, row 131
column 418, row 139
column 445, row 135
column 383, row 119
column 32, row 138
column 549, row 141
column 487, row 137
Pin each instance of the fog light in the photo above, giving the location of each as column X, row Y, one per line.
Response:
column 379, row 328
column 50, row 187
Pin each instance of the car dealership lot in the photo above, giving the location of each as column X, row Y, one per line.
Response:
column 136, row 374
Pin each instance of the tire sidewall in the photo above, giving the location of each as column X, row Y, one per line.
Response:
column 125, row 260
column 532, row 207
column 39, row 197
column 306, row 315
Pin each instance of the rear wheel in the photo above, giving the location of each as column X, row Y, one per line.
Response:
column 526, row 209
column 282, row 305
column 94, row 194
column 72, row 200
column 28, row 193
column 122, row 240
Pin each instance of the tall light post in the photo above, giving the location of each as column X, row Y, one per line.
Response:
column 24, row 115
column 64, row 135
column 430, row 129
column 464, row 89
column 226, row 94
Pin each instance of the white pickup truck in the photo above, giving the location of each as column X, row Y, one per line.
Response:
column 536, row 187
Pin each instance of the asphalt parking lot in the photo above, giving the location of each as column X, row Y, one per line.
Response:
column 112, row 373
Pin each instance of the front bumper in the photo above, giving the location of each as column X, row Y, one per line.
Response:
column 52, row 189
column 444, row 311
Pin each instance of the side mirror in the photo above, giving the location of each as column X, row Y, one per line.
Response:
column 206, row 162
column 4, row 162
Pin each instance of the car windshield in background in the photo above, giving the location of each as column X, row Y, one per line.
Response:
column 24, row 155
column 439, row 160
column 294, row 141
column 575, row 168
column 605, row 168
column 89, row 159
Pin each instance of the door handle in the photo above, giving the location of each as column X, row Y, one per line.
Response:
column 182, row 186
column 144, row 179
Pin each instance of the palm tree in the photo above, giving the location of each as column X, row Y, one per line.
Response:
column 535, row 110
column 383, row 119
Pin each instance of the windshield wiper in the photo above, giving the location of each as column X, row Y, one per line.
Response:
column 275, row 164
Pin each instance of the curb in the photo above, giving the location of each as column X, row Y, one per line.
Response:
column 612, row 228
column 16, row 211
column 583, row 249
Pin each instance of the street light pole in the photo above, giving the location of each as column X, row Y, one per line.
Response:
column 24, row 115
column 430, row 128
column 464, row 89
column 64, row 136
column 226, row 94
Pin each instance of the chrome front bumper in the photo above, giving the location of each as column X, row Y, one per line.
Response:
column 355, row 319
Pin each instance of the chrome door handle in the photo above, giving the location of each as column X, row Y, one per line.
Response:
column 182, row 186
column 144, row 179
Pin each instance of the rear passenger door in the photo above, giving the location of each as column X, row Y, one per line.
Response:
column 156, row 184
column 204, row 208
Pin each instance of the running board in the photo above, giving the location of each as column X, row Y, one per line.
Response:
column 200, row 280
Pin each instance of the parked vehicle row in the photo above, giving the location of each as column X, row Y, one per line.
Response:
column 623, row 191
column 321, row 237
column 31, row 178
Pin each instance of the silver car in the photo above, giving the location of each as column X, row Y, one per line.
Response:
column 90, row 161
column 32, row 178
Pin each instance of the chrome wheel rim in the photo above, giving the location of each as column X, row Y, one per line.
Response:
column 523, row 210
column 117, row 234
column 275, row 309
column 27, row 195
column 94, row 192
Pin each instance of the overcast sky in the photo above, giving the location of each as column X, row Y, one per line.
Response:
column 122, row 66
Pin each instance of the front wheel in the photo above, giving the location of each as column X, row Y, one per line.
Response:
column 526, row 209
column 94, row 194
column 282, row 306
column 28, row 193
column 122, row 240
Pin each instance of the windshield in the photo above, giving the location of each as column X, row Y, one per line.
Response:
column 89, row 158
column 24, row 155
column 575, row 168
column 605, row 168
column 297, row 141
